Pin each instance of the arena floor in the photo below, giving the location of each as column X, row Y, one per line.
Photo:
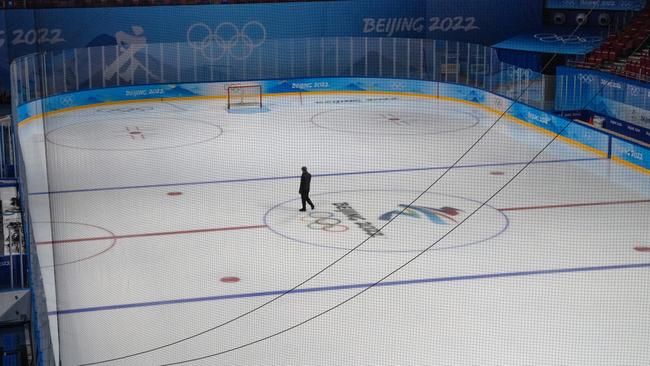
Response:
column 174, row 218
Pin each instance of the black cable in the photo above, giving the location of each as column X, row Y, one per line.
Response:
column 480, row 138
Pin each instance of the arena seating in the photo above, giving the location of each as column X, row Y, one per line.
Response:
column 626, row 53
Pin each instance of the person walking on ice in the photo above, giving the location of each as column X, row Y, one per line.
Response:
column 305, row 181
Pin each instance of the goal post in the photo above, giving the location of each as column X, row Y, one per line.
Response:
column 240, row 95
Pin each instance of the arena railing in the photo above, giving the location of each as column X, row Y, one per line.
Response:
column 52, row 73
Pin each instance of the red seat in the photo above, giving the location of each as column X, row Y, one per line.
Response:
column 633, row 67
column 611, row 55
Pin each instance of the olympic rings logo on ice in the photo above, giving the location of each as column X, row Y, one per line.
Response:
column 226, row 39
column 585, row 78
column 566, row 38
column 325, row 221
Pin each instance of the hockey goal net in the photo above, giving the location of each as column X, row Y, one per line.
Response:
column 244, row 96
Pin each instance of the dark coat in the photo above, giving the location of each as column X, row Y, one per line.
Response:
column 305, row 181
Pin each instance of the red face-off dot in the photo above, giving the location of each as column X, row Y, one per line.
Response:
column 642, row 249
column 174, row 193
column 497, row 173
column 229, row 279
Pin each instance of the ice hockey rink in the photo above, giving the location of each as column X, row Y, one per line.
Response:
column 178, row 221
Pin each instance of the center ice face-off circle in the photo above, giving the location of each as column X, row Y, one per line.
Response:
column 394, row 119
column 342, row 220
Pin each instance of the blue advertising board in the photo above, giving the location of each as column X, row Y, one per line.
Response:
column 612, row 124
column 627, row 129
column 631, row 154
column 620, row 99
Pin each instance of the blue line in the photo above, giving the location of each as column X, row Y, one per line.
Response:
column 352, row 286
column 314, row 175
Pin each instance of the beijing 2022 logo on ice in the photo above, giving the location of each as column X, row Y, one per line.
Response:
column 226, row 39
column 439, row 216
column 342, row 220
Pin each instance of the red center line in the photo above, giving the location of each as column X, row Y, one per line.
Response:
column 575, row 205
column 178, row 232
column 194, row 231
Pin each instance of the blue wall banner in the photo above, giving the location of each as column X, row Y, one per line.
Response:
column 624, row 5
column 27, row 31
column 475, row 21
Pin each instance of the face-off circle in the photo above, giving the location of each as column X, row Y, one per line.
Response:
column 133, row 132
column 72, row 242
column 344, row 219
column 379, row 120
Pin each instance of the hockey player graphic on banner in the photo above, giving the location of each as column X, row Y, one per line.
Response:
column 128, row 47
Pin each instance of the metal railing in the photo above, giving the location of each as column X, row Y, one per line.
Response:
column 206, row 60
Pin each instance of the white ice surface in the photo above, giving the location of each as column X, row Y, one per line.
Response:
column 241, row 171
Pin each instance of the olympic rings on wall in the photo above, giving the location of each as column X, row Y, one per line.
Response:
column 226, row 39
column 67, row 100
column 585, row 78
column 566, row 38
